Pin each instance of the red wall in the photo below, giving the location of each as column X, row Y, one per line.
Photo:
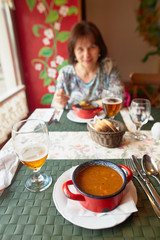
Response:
column 42, row 44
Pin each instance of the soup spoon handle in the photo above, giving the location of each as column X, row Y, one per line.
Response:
column 147, row 181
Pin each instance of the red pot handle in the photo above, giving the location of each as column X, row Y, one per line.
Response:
column 129, row 172
column 70, row 195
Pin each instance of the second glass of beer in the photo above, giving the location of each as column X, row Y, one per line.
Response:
column 31, row 142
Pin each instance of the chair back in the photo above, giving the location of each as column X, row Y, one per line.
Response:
column 142, row 81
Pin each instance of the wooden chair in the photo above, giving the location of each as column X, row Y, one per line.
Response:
column 142, row 81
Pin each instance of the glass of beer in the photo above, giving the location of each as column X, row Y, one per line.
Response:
column 111, row 105
column 30, row 140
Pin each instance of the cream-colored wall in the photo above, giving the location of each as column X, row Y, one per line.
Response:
column 116, row 20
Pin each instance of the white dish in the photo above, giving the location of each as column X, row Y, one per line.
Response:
column 71, row 115
column 76, row 214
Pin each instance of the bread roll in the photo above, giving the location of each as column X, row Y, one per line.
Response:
column 110, row 125
column 100, row 126
column 104, row 125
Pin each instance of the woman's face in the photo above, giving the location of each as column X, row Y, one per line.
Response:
column 86, row 52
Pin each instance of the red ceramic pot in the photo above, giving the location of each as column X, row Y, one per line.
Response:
column 86, row 113
column 98, row 203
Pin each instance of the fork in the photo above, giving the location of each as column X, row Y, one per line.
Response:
column 130, row 165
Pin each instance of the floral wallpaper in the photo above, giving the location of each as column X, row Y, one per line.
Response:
column 148, row 18
column 44, row 28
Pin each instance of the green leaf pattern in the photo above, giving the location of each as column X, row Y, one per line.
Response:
column 46, row 52
column 60, row 2
column 47, row 99
column 35, row 30
column 43, row 75
column 63, row 36
column 48, row 62
column 47, row 81
column 52, row 17
column 72, row 10
column 31, row 4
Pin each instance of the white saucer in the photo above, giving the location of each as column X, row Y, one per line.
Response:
column 71, row 115
column 76, row 214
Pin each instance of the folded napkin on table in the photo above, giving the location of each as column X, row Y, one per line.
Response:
column 8, row 166
column 127, row 205
column 45, row 114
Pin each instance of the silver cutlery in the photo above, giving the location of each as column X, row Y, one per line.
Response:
column 146, row 180
column 55, row 116
column 129, row 163
column 58, row 114
column 51, row 119
column 149, row 167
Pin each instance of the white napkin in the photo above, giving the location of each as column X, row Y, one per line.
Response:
column 45, row 114
column 155, row 130
column 126, row 206
column 8, row 166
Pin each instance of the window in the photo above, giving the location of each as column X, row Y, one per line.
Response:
column 10, row 76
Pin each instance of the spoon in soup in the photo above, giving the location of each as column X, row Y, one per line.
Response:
column 150, row 167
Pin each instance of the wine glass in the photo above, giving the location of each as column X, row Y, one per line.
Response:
column 139, row 110
column 112, row 103
column 31, row 143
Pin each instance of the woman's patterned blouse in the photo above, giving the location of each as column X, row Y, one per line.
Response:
column 106, row 80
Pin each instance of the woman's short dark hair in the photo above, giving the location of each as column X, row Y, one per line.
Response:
column 85, row 29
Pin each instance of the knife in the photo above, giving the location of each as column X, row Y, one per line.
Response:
column 154, row 206
column 52, row 117
column 146, row 180
column 56, row 116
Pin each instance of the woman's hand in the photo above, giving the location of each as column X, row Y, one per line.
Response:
column 99, row 102
column 60, row 99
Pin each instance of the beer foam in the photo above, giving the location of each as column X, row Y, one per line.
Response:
column 33, row 152
column 111, row 100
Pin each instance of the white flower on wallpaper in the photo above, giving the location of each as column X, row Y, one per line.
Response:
column 53, row 64
column 38, row 66
column 59, row 60
column 63, row 10
column 45, row 41
column 51, row 89
column 41, row 8
column 57, row 26
column 52, row 72
column 49, row 33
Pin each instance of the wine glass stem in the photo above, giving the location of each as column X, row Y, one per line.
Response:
column 37, row 177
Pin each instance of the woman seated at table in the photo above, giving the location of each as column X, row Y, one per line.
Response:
column 90, row 71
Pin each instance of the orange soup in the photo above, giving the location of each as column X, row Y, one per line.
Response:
column 99, row 180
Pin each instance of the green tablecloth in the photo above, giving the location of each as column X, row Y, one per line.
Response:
column 66, row 125
column 33, row 216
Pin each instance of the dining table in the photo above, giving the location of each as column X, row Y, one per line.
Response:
column 26, row 215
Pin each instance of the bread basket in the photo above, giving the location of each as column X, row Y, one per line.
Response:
column 108, row 139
